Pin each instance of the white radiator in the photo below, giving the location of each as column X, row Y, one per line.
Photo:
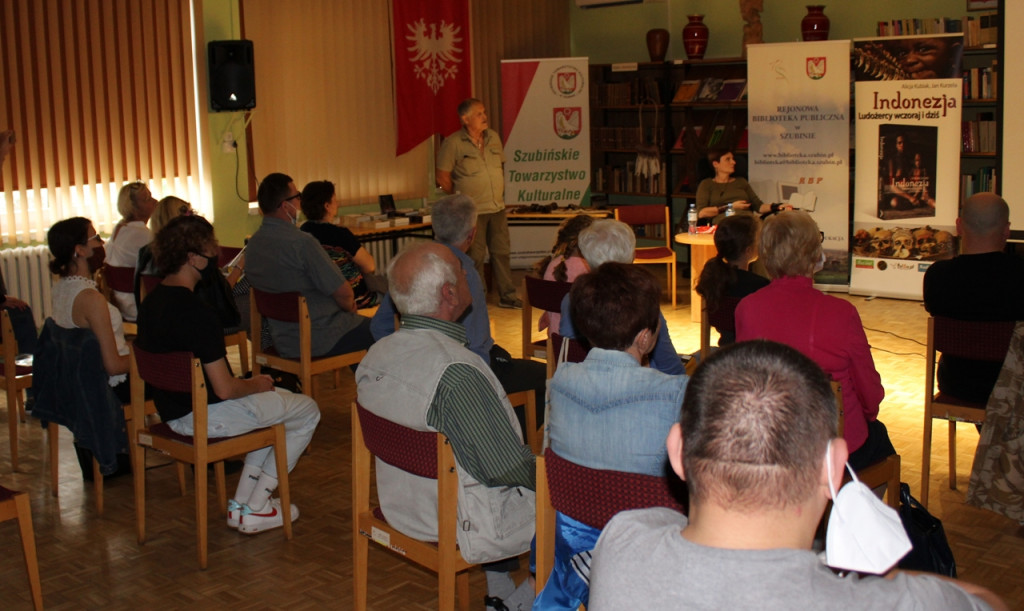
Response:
column 27, row 276
column 381, row 249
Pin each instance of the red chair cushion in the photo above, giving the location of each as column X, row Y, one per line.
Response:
column 399, row 446
column 119, row 278
column 169, row 371
column 594, row 496
column 278, row 306
column 659, row 252
column 19, row 370
column 546, row 294
column 972, row 339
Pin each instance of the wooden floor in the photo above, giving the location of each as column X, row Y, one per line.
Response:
column 91, row 561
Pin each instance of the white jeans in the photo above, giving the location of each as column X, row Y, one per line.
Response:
column 299, row 414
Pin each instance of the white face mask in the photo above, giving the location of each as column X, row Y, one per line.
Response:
column 864, row 534
column 820, row 265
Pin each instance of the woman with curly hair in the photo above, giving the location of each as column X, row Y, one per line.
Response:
column 564, row 263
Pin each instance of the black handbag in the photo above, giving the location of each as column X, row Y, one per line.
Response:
column 931, row 551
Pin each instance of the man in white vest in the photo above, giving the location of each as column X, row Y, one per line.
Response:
column 424, row 377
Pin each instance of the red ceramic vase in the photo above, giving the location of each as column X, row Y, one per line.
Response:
column 695, row 37
column 657, row 44
column 815, row 24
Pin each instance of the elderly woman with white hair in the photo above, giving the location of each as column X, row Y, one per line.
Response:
column 135, row 204
column 609, row 240
column 826, row 329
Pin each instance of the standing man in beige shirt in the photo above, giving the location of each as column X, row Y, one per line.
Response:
column 471, row 162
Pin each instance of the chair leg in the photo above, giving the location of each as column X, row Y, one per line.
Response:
column 446, row 582
column 283, row 487
column 28, row 547
column 893, row 491
column 182, row 487
column 97, row 485
column 360, row 572
column 952, row 454
column 462, row 590
column 201, row 501
column 12, row 424
column 21, row 405
column 53, row 441
column 222, row 491
column 139, row 482
column 926, row 455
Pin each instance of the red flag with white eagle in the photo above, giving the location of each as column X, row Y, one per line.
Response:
column 432, row 75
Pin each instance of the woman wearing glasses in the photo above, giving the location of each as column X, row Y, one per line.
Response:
column 827, row 329
column 135, row 204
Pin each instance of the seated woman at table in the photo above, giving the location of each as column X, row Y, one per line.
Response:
column 320, row 205
column 728, row 274
column 715, row 194
column 564, row 263
column 827, row 329
column 608, row 412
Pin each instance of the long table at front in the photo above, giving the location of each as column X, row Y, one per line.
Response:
column 702, row 249
column 394, row 235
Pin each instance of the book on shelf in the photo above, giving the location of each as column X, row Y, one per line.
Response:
column 687, row 135
column 979, row 136
column 733, row 90
column 978, row 30
column 686, row 91
column 744, row 141
column 716, row 136
column 981, row 83
column 709, row 89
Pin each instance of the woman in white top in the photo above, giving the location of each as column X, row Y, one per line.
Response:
column 77, row 304
column 136, row 205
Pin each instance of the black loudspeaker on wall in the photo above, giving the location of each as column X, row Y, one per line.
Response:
column 232, row 75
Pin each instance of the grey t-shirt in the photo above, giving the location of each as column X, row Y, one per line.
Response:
column 642, row 562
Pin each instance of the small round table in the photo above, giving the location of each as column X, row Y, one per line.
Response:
column 702, row 248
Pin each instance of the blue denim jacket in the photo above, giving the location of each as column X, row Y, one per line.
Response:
column 608, row 412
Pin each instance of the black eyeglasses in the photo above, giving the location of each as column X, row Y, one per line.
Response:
column 822, row 236
column 287, row 199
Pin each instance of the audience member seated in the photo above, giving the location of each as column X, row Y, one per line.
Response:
column 320, row 205
column 728, row 273
column 454, row 224
column 715, row 195
column 825, row 328
column 77, row 304
column 23, row 322
column 135, row 204
column 982, row 283
column 755, row 444
column 282, row 259
column 565, row 263
column 173, row 319
column 214, row 289
column 423, row 377
column 608, row 412
column 609, row 240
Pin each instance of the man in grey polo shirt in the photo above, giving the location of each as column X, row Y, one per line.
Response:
column 280, row 258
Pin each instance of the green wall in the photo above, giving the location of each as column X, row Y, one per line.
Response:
column 617, row 33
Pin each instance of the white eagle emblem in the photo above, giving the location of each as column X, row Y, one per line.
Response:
column 434, row 50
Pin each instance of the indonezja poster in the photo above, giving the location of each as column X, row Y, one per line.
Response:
column 799, row 130
column 546, row 128
column 908, row 95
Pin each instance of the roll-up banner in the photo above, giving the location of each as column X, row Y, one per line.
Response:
column 546, row 128
column 908, row 99
column 799, row 123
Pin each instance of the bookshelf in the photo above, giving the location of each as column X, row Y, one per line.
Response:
column 981, row 146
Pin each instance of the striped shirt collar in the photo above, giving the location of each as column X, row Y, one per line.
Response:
column 453, row 330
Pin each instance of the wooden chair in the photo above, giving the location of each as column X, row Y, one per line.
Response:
column 885, row 471
column 722, row 319
column 109, row 279
column 180, row 372
column 15, row 379
column 424, row 454
column 592, row 496
column 652, row 222
column 239, row 338
column 977, row 340
column 544, row 295
column 15, row 505
column 575, row 351
column 291, row 307
column 534, row 433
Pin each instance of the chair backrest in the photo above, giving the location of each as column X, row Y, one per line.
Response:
column 227, row 253
column 407, row 449
column 837, row 392
column 576, row 352
column 119, row 278
column 594, row 496
column 655, row 220
column 971, row 339
column 178, row 372
column 545, row 294
column 278, row 306
column 148, row 282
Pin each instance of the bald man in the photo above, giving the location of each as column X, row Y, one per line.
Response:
column 982, row 283
column 424, row 377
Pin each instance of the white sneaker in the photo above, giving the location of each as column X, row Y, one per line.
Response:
column 234, row 513
column 270, row 517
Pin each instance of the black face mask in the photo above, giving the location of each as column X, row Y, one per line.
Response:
column 212, row 262
column 96, row 260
